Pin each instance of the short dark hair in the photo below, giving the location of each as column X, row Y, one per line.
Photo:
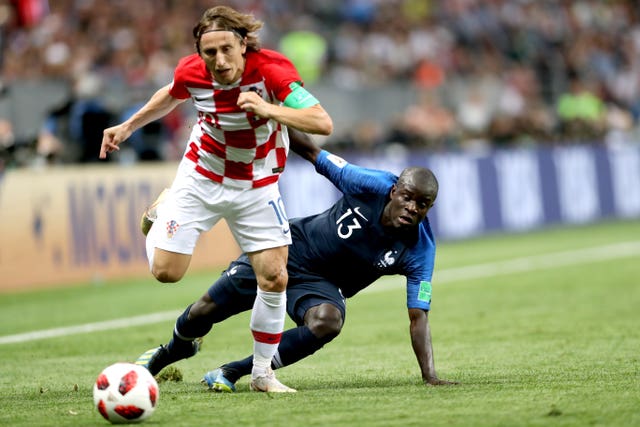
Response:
column 422, row 177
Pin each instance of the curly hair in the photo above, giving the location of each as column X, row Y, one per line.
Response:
column 244, row 26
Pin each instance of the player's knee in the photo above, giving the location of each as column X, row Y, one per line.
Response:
column 270, row 267
column 165, row 274
column 324, row 321
column 169, row 267
column 274, row 280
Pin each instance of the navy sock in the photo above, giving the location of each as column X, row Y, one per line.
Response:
column 296, row 344
column 189, row 328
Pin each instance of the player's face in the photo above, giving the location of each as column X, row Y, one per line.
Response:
column 223, row 52
column 407, row 207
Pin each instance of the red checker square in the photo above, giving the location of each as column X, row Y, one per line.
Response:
column 245, row 138
column 238, row 170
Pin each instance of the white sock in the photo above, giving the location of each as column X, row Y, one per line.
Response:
column 267, row 324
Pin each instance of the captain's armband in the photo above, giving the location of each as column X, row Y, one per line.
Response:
column 299, row 97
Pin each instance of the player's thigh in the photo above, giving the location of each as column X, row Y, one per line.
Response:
column 190, row 207
column 258, row 220
column 305, row 298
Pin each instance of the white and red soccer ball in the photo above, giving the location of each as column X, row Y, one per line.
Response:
column 125, row 393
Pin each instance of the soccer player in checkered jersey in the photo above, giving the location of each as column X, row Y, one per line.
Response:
column 378, row 228
column 246, row 97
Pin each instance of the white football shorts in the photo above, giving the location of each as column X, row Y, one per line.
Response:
column 256, row 216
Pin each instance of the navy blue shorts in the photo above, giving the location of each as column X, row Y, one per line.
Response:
column 235, row 292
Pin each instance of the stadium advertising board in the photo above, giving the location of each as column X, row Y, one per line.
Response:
column 79, row 224
column 501, row 191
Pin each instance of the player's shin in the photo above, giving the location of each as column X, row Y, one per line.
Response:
column 296, row 344
column 267, row 323
column 186, row 330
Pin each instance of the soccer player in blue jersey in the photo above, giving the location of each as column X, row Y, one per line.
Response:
column 379, row 227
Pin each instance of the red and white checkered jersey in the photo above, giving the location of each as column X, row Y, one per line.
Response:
column 228, row 144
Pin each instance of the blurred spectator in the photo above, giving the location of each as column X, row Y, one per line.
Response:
column 521, row 117
column 30, row 13
column 427, row 124
column 581, row 113
column 306, row 48
column 428, row 75
column 366, row 136
column 150, row 142
column 620, row 126
column 73, row 131
column 537, row 124
column 500, row 65
column 7, row 140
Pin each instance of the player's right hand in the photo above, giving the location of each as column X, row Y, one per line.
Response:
column 111, row 139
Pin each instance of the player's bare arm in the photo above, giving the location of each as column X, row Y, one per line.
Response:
column 422, row 347
column 302, row 144
column 159, row 105
column 311, row 119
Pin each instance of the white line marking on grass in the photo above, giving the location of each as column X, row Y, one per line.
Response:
column 539, row 262
column 529, row 263
column 489, row 269
column 91, row 327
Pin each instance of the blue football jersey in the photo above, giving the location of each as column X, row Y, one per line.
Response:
column 347, row 245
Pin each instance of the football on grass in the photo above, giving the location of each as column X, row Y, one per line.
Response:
column 125, row 393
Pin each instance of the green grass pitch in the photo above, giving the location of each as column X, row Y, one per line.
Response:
column 541, row 329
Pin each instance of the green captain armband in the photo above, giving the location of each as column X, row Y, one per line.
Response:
column 299, row 97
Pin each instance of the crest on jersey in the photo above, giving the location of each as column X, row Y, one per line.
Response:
column 172, row 227
column 387, row 260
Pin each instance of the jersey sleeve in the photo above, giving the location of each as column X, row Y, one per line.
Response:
column 178, row 88
column 349, row 178
column 279, row 74
column 420, row 270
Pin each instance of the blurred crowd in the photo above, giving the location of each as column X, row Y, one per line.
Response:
column 485, row 73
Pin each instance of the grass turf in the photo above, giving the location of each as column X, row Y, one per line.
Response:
column 544, row 347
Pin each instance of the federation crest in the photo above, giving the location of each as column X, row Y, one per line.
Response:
column 387, row 260
column 172, row 227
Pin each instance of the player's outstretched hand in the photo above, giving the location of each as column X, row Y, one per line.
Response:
column 438, row 381
column 111, row 138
